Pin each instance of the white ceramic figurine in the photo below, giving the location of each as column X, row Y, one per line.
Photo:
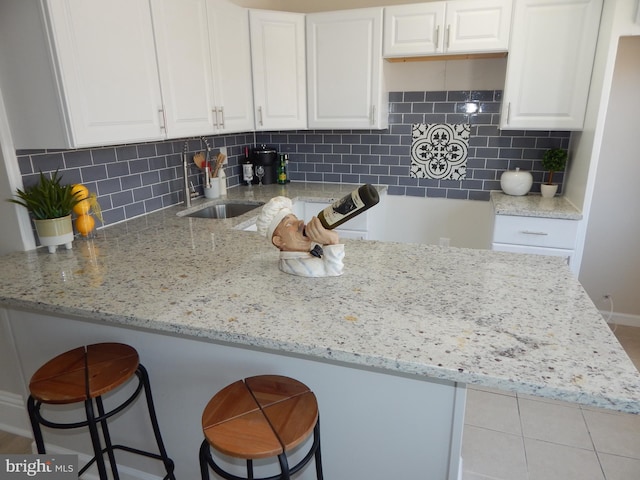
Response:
column 305, row 250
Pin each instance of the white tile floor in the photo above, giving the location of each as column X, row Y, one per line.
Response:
column 520, row 437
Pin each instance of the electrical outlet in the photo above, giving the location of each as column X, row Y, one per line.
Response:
column 445, row 241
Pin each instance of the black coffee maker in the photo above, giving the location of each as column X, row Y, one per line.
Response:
column 267, row 158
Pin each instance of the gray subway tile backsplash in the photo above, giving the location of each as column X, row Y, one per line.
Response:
column 132, row 180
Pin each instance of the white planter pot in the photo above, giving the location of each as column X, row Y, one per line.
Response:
column 548, row 191
column 55, row 231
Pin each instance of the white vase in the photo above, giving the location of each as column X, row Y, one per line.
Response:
column 548, row 191
column 55, row 231
column 516, row 182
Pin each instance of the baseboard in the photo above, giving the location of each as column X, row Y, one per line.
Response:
column 621, row 319
column 13, row 415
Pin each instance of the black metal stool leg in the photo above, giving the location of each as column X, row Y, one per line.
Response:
column 32, row 408
column 284, row 466
column 249, row 469
column 107, row 439
column 318, row 455
column 168, row 463
column 95, row 440
column 204, row 465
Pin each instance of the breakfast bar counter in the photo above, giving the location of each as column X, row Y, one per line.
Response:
column 388, row 347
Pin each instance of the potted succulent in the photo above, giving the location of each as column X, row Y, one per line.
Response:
column 50, row 204
column 553, row 160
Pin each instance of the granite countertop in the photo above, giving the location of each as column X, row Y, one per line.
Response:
column 513, row 322
column 534, row 206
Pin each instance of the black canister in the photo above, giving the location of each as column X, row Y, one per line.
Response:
column 266, row 157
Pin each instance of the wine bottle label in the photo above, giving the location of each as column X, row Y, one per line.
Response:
column 346, row 207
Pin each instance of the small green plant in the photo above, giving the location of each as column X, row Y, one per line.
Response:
column 554, row 160
column 47, row 198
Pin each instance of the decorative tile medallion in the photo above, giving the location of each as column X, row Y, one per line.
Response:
column 439, row 150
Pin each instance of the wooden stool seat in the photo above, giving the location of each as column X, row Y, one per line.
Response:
column 84, row 373
column 261, row 417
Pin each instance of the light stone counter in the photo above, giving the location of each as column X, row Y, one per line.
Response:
column 534, row 206
column 513, row 322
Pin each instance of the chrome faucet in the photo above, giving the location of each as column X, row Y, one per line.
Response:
column 185, row 174
column 189, row 189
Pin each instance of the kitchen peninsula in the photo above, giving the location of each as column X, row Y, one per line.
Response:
column 388, row 347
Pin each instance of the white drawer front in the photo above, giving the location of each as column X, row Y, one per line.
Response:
column 534, row 231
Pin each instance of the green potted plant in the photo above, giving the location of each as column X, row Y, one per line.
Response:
column 50, row 204
column 553, row 160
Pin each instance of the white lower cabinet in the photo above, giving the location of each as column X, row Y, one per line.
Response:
column 535, row 235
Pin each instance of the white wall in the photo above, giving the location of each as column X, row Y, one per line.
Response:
column 16, row 233
column 611, row 260
column 589, row 161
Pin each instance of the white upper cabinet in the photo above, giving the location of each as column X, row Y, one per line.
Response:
column 231, row 63
column 447, row 28
column 205, row 78
column 344, row 63
column 279, row 69
column 550, row 63
column 103, row 73
column 182, row 42
column 89, row 78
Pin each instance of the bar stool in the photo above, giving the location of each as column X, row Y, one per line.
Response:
column 261, row 417
column 84, row 374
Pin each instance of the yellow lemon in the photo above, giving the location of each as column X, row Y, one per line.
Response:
column 85, row 224
column 82, row 207
column 79, row 191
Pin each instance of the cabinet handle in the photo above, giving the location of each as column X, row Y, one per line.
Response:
column 163, row 119
column 508, row 113
column 214, row 112
column 373, row 115
column 528, row 232
column 446, row 45
column 260, row 116
column 221, row 117
column 437, row 36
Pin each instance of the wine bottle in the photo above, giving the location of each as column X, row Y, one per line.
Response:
column 281, row 171
column 349, row 206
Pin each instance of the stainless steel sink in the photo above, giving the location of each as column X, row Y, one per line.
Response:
column 225, row 210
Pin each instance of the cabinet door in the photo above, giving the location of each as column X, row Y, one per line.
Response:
column 344, row 58
column 414, row 29
column 106, row 62
column 456, row 27
column 478, row 26
column 278, row 62
column 182, row 42
column 550, row 62
column 231, row 63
